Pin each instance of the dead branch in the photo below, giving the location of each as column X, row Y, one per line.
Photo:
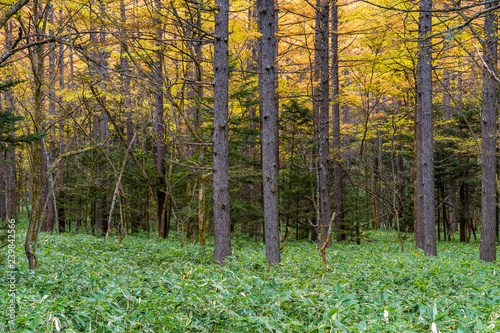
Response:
column 327, row 240
column 286, row 238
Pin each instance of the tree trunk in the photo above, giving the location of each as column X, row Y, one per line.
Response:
column 315, row 83
column 450, row 184
column 269, row 128
column 337, row 149
column 222, row 222
column 37, row 179
column 425, row 156
column 324, row 122
column 158, row 121
column 488, row 141
column 8, row 179
column 201, row 210
column 48, row 223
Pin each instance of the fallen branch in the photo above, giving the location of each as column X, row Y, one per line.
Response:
column 118, row 182
column 315, row 227
column 286, row 238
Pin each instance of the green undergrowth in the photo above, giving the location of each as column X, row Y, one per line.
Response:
column 87, row 284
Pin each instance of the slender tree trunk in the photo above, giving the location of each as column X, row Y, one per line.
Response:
column 324, row 122
column 48, row 223
column 201, row 210
column 337, row 149
column 487, row 251
column 37, row 178
column 117, row 188
column 158, row 120
column 269, row 128
column 8, row 179
column 61, row 194
column 450, row 185
column 419, row 204
column 315, row 83
column 425, row 156
column 222, row 222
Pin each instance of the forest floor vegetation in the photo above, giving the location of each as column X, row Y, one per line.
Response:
column 87, row 284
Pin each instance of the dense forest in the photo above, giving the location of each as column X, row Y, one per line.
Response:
column 299, row 145
column 318, row 120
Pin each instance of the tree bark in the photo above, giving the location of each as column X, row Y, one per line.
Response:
column 8, row 179
column 222, row 222
column 336, row 143
column 48, row 223
column 269, row 128
column 37, row 183
column 61, row 193
column 425, row 156
column 125, row 67
column 324, row 122
column 158, row 121
column 487, row 250
column 450, row 185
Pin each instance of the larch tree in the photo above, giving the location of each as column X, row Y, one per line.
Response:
column 222, row 222
column 158, row 119
column 336, row 143
column 7, row 166
column 61, row 194
column 269, row 128
column 48, row 223
column 324, row 121
column 487, row 250
column 425, row 149
column 38, row 179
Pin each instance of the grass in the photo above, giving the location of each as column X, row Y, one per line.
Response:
column 85, row 284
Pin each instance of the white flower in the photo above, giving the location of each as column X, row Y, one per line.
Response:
column 434, row 328
column 386, row 316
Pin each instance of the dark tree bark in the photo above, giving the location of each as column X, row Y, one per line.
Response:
column 48, row 223
column 324, row 121
column 124, row 62
column 337, row 167
column 425, row 155
column 8, row 178
column 61, row 193
column 222, row 222
column 159, row 126
column 450, row 185
column 269, row 128
column 37, row 177
column 487, row 250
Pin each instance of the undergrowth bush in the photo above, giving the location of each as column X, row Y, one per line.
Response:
column 87, row 284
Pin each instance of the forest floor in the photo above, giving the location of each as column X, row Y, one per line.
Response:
column 87, row 284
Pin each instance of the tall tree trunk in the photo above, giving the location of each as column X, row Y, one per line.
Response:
column 425, row 156
column 158, row 120
column 269, row 128
column 222, row 223
column 450, row 185
column 104, row 125
column 315, row 82
column 198, row 56
column 337, row 149
column 487, row 250
column 48, row 222
column 8, row 179
column 37, row 178
column 324, row 122
column 61, row 193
